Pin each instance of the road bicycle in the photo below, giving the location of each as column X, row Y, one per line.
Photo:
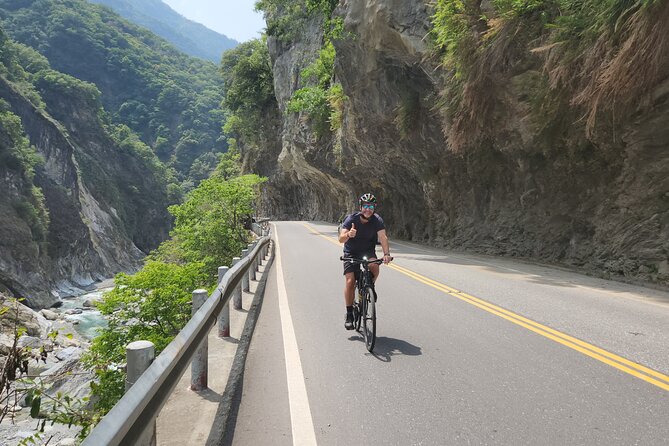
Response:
column 364, row 305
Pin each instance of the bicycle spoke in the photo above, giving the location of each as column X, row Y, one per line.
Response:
column 369, row 318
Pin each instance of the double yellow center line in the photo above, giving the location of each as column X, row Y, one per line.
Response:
column 649, row 375
column 642, row 372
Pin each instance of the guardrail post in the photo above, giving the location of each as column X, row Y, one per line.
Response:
column 198, row 367
column 245, row 277
column 260, row 257
column 224, row 317
column 139, row 356
column 252, row 267
column 237, row 293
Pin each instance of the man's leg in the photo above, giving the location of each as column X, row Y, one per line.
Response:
column 349, row 288
column 375, row 271
column 349, row 291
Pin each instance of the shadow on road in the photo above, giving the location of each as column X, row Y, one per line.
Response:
column 385, row 348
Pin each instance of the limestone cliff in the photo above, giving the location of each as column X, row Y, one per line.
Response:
column 98, row 220
column 547, row 185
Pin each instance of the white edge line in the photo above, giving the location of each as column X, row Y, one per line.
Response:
column 300, row 412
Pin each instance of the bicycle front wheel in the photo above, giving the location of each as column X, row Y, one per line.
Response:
column 357, row 314
column 369, row 318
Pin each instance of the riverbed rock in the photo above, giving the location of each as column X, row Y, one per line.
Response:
column 22, row 316
column 70, row 342
column 49, row 315
column 6, row 343
column 56, row 360
column 92, row 302
column 69, row 378
column 24, row 427
column 69, row 353
column 30, row 342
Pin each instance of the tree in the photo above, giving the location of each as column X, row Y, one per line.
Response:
column 154, row 304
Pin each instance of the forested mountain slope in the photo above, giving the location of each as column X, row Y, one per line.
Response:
column 190, row 37
column 531, row 129
column 171, row 100
column 80, row 198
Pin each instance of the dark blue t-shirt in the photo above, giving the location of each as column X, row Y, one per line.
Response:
column 365, row 237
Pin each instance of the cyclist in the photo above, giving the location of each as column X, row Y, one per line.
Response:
column 360, row 232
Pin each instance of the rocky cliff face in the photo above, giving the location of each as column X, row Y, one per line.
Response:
column 303, row 167
column 541, row 187
column 95, row 230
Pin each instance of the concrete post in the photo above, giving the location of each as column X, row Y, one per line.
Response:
column 198, row 367
column 237, row 293
column 245, row 277
column 224, row 317
column 252, row 267
column 139, row 355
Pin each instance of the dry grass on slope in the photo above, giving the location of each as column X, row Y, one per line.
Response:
column 619, row 72
column 483, row 91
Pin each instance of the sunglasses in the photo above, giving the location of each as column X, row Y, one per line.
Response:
column 368, row 206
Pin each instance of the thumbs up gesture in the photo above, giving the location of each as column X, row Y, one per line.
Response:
column 352, row 231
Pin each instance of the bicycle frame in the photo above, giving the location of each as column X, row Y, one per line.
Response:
column 364, row 277
column 365, row 305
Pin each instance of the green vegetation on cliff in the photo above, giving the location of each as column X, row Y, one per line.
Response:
column 154, row 304
column 18, row 156
column 248, row 80
column 171, row 100
column 591, row 52
column 87, row 156
column 16, row 153
column 321, row 98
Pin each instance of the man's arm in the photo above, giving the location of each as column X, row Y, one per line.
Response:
column 343, row 235
column 383, row 238
column 347, row 233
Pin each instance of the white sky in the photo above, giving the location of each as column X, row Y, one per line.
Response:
column 234, row 18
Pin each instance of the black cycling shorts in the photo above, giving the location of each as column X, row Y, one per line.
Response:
column 355, row 267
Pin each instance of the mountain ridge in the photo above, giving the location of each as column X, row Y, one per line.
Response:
column 88, row 103
column 190, row 37
column 170, row 99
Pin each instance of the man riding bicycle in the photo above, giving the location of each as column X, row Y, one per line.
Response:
column 360, row 232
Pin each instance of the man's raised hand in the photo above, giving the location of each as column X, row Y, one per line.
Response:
column 352, row 231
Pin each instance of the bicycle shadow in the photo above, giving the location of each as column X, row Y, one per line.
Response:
column 385, row 348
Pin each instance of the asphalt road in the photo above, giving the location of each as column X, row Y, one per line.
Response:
column 470, row 350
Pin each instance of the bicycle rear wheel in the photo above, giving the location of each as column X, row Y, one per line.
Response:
column 369, row 318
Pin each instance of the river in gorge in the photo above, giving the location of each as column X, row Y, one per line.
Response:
column 86, row 319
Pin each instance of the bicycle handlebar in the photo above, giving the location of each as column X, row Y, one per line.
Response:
column 354, row 260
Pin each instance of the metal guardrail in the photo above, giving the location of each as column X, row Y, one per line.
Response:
column 128, row 420
column 260, row 226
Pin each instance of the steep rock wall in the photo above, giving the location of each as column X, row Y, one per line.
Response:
column 86, row 240
column 544, row 190
column 304, row 177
